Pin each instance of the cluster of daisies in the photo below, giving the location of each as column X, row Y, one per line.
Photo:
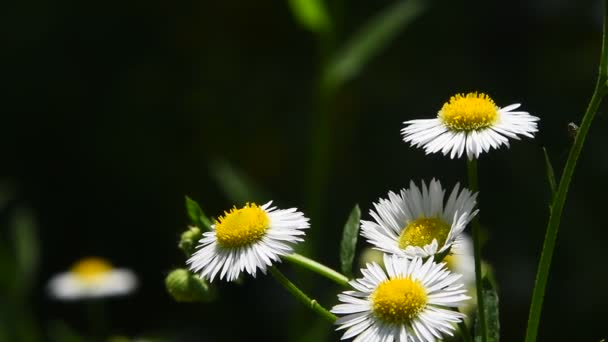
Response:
column 411, row 295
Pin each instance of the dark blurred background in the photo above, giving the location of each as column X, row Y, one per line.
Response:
column 113, row 111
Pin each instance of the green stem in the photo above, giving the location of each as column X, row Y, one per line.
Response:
column 301, row 296
column 559, row 200
column 314, row 266
column 464, row 332
column 97, row 318
column 481, row 312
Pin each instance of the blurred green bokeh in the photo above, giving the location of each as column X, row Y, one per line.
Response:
column 112, row 112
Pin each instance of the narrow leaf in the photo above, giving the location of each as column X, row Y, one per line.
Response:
column 196, row 215
column 490, row 297
column 370, row 40
column 550, row 174
column 311, row 14
column 349, row 241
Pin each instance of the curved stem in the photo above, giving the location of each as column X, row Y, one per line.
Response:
column 314, row 266
column 556, row 212
column 544, row 264
column 301, row 296
column 481, row 312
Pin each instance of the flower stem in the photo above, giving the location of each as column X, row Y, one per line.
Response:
column 559, row 199
column 301, row 296
column 481, row 314
column 314, row 266
column 464, row 331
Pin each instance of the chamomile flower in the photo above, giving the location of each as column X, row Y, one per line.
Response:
column 469, row 122
column 406, row 302
column 418, row 223
column 247, row 239
column 92, row 277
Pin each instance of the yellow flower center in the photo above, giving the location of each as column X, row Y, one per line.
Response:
column 399, row 300
column 422, row 231
column 241, row 227
column 469, row 112
column 91, row 269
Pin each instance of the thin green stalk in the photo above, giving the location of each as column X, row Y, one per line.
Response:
column 481, row 312
column 464, row 332
column 559, row 200
column 314, row 266
column 95, row 310
column 301, row 296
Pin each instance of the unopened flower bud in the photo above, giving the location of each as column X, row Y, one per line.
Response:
column 189, row 239
column 184, row 286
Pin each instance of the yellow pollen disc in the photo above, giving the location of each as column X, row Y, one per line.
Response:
column 422, row 231
column 399, row 300
column 469, row 112
column 241, row 227
column 89, row 269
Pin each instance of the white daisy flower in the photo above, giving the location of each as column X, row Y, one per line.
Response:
column 92, row 278
column 408, row 302
column 417, row 223
column 471, row 122
column 247, row 239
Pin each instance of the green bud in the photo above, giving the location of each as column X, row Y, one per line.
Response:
column 184, row 286
column 189, row 239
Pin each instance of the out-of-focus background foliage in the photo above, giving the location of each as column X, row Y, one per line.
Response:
column 113, row 111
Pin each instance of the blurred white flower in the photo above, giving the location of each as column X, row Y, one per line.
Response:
column 92, row 277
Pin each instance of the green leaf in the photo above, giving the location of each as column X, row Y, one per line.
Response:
column 349, row 241
column 236, row 185
column 490, row 297
column 311, row 14
column 370, row 40
column 550, row 174
column 196, row 215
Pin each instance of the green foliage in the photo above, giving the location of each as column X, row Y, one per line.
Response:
column 490, row 297
column 349, row 241
column 370, row 40
column 19, row 259
column 196, row 215
column 311, row 14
